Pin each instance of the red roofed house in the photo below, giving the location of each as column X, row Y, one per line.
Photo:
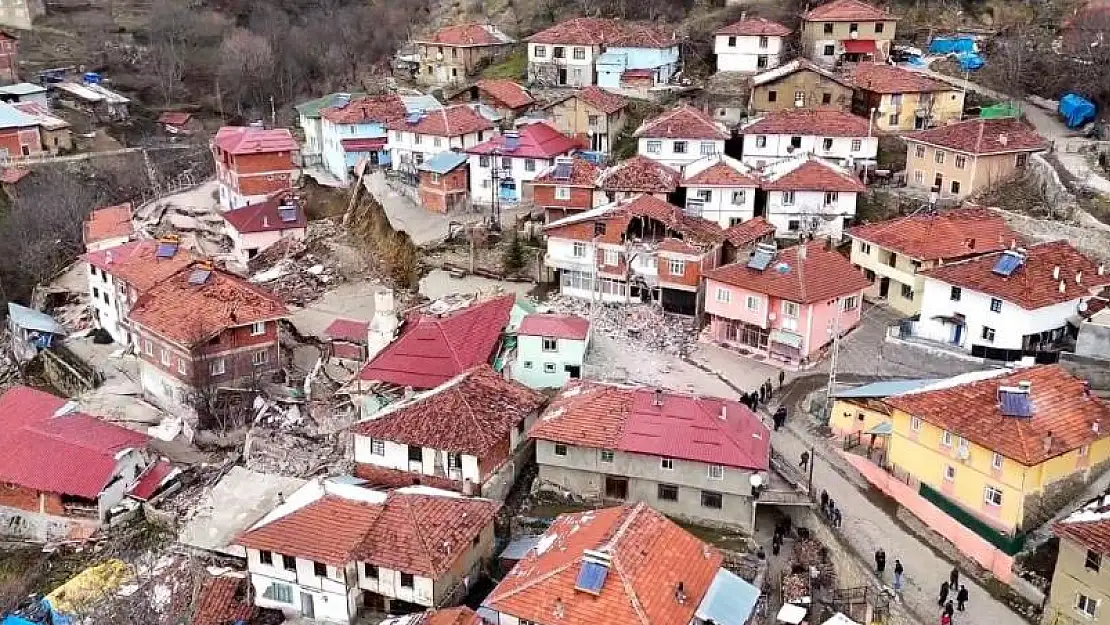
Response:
column 847, row 30
column 452, row 53
column 108, row 227
column 785, row 304
column 589, row 50
column 120, row 274
column 602, row 441
column 721, row 189
column 252, row 163
column 1078, row 581
column 461, row 615
column 224, row 600
column 420, row 136
column 566, row 188
column 750, row 45
column 550, row 350
column 347, row 339
column 333, row 549
column 465, row 435
column 959, row 159
column 639, row 174
column 834, row 135
column 9, row 53
column 506, row 164
column 61, row 471
column 592, row 114
column 1009, row 304
column 641, row 249
column 681, row 136
column 353, row 130
column 203, row 327
column 903, row 99
column 808, row 195
column 179, row 123
column 507, row 97
column 255, row 227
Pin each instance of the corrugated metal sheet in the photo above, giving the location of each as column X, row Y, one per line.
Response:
column 729, row 601
column 886, row 388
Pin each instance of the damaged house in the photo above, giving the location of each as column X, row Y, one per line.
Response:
column 467, row 435
column 255, row 227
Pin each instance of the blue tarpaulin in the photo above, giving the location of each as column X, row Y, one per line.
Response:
column 917, row 61
column 1076, row 110
column 948, row 45
column 970, row 61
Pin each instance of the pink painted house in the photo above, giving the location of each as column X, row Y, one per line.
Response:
column 784, row 304
column 255, row 227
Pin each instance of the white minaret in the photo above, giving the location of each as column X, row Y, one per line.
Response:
column 383, row 328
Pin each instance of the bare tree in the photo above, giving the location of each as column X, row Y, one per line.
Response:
column 247, row 67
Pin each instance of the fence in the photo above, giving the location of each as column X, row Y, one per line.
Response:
column 1010, row 545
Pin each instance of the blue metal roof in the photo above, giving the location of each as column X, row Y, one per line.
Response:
column 888, row 388
column 417, row 103
column 11, row 117
column 443, row 162
column 30, row 319
column 519, row 548
column 729, row 601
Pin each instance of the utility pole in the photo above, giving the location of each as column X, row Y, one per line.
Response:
column 495, row 178
column 833, row 361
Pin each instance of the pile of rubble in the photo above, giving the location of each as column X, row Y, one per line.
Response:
column 648, row 326
column 298, row 271
column 280, row 452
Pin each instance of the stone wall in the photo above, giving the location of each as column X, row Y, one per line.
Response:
column 1042, row 506
column 1093, row 241
column 1094, row 370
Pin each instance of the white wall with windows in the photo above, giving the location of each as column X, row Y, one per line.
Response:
column 408, row 150
column 820, row 213
column 417, row 460
column 679, row 152
column 761, row 150
column 726, row 206
column 300, row 587
column 561, row 65
column 110, row 299
column 747, row 53
column 396, row 584
column 548, row 361
column 515, row 170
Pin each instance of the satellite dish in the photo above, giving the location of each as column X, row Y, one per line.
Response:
column 756, row 480
column 1082, row 306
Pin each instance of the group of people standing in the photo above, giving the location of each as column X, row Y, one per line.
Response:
column 953, row 585
column 761, row 395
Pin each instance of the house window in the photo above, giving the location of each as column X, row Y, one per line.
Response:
column 666, row 464
column 165, row 357
column 857, row 145
column 579, row 249
column 946, row 439
column 369, row 570
column 732, row 42
column 377, row 447
column 723, row 295
column 893, row 119
column 560, row 449
column 454, row 461
column 182, row 367
column 955, row 186
column 716, row 472
column 763, row 42
column 965, row 446
column 864, row 248
column 1022, row 159
column 612, row 258
column 218, row 367
column 992, row 496
column 830, row 198
column 96, row 291
column 281, row 593
column 483, row 161
column 988, row 334
column 996, row 305
column 919, row 151
column 580, row 54
column 506, row 163
column 539, row 52
column 678, row 147
column 527, row 364
column 710, row 499
column 799, row 99
column 416, row 454
column 915, row 424
column 760, row 62
column 878, row 27
column 949, row 473
column 258, row 328
column 853, row 28
column 266, row 557
column 851, row 303
column 678, row 267
column 772, row 96
column 559, row 52
column 529, row 164
column 788, row 199
column 1086, row 605
column 406, row 578
column 761, row 141
column 666, row 492
column 907, row 291
column 938, row 157
column 996, row 461
column 550, row 344
column 705, row 195
column 753, row 302
column 708, row 148
column 739, row 198
column 829, row 50
column 259, row 358
column 417, row 139
column 828, row 28
column 1093, row 561
column 826, row 98
column 437, row 142
column 955, row 293
column 918, row 176
column 654, row 147
column 790, row 309
column 562, row 193
column 148, row 347
column 607, row 455
column 961, row 161
column 319, row 569
column 826, row 144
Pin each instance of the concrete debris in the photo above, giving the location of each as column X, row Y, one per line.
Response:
column 299, row 271
column 647, row 326
column 284, row 453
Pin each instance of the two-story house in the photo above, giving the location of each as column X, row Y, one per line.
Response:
column 453, row 53
column 567, row 188
column 680, row 136
column 721, row 189
column 505, row 165
column 550, row 350
column 833, row 135
column 107, row 227
column 332, row 549
column 465, row 435
column 638, row 175
column 810, row 196
column 310, row 121
column 749, row 45
column 607, row 52
column 422, row 135
column 9, row 49
column 959, row 159
column 355, row 130
column 200, row 328
column 252, row 163
column 633, row 563
column 847, row 31
column 61, row 471
column 1006, row 305
column 1023, row 444
column 900, row 99
column 786, row 305
column 620, row 456
column 635, row 249
column 445, row 182
column 120, row 274
column 1080, row 591
column 255, row 227
column 592, row 114
column 894, row 253
column 509, row 98
column 645, row 56
column 799, row 84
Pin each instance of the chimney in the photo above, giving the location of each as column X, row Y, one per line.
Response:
column 658, row 400
column 680, row 593
column 1025, row 385
column 108, row 257
column 743, row 15
column 1094, row 427
column 1087, row 392
column 828, row 244
column 802, row 252
column 512, row 140
column 1101, row 269
column 1048, row 441
column 560, row 609
column 1056, row 272
column 265, row 221
column 1079, row 277
column 1003, row 139
column 1063, row 287
column 724, row 412
column 971, row 243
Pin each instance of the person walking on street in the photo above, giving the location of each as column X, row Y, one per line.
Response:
column 782, row 378
column 954, row 579
column 836, row 517
column 899, row 575
column 763, row 394
column 948, row 609
column 945, row 619
column 780, row 417
column 804, row 464
column 961, row 598
column 770, row 388
column 824, row 500
column 943, row 594
column 880, row 561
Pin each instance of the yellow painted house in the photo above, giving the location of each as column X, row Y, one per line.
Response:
column 1007, row 451
column 863, row 410
column 1080, row 591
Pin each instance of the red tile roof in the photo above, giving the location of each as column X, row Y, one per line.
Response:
column 137, row 263
column 248, row 140
column 886, row 78
column 12, row 175
column 266, row 216
column 109, row 222
column 538, row 140
column 449, row 121
column 949, row 235
column 510, row 93
column 691, row 229
column 797, row 65
column 846, row 11
column 583, row 173
column 650, row 557
column 467, row 35
column 469, row 414
column 755, row 27
column 749, row 232
column 601, row 99
column 71, row 454
column 326, row 530
column 1062, row 407
column 379, row 108
column 174, row 118
column 823, row 275
column 594, row 31
column 724, row 172
column 348, row 330
column 431, row 350
column 640, row 174
column 982, row 136
column 1032, row 285
column 1089, row 525
column 151, row 480
column 686, row 427
column 682, row 122
column 461, row 615
column 559, row 326
column 223, row 601
column 810, row 173
column 189, row 314
column 821, row 122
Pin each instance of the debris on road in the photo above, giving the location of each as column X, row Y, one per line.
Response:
column 648, row 326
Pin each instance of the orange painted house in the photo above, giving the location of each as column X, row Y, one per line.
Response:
column 252, row 163
column 444, row 182
column 19, row 133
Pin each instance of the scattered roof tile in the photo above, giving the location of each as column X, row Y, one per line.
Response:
column 691, row 229
column 846, row 11
column 583, row 173
column 886, row 78
column 137, row 263
column 820, row 122
column 348, row 330
column 266, row 216
column 250, row 140
column 467, row 35
column 750, row 231
column 810, row 173
column 449, row 121
column 157, row 475
column 508, row 92
column 822, row 275
column 109, row 222
column 640, row 174
column 559, row 326
column 954, row 234
column 682, row 122
column 537, row 140
column 754, row 27
column 378, row 108
column 982, row 136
